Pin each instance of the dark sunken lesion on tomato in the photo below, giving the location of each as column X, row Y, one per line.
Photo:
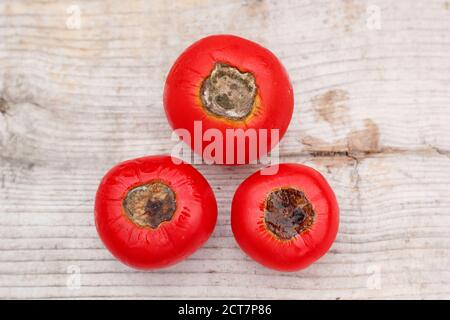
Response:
column 288, row 213
column 229, row 93
column 150, row 204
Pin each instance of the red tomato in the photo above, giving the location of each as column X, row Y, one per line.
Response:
column 152, row 213
column 228, row 82
column 285, row 221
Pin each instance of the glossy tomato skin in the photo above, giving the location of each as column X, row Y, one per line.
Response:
column 144, row 247
column 274, row 101
column 247, row 218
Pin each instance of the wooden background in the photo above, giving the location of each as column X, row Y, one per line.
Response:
column 372, row 113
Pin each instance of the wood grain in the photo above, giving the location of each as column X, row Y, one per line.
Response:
column 371, row 113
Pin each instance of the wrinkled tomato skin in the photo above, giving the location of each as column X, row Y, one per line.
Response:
column 247, row 218
column 274, row 102
column 174, row 240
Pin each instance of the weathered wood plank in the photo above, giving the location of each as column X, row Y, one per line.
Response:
column 372, row 114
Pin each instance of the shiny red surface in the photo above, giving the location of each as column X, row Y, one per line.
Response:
column 144, row 247
column 182, row 100
column 247, row 218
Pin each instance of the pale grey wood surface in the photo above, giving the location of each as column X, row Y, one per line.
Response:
column 372, row 113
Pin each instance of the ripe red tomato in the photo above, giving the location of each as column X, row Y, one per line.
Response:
column 285, row 221
column 152, row 213
column 226, row 82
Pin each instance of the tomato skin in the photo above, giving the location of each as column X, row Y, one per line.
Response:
column 247, row 218
column 144, row 247
column 183, row 106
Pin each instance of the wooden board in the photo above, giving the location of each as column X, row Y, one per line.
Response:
column 371, row 113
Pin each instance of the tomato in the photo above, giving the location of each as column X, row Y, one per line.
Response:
column 151, row 212
column 285, row 221
column 229, row 98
